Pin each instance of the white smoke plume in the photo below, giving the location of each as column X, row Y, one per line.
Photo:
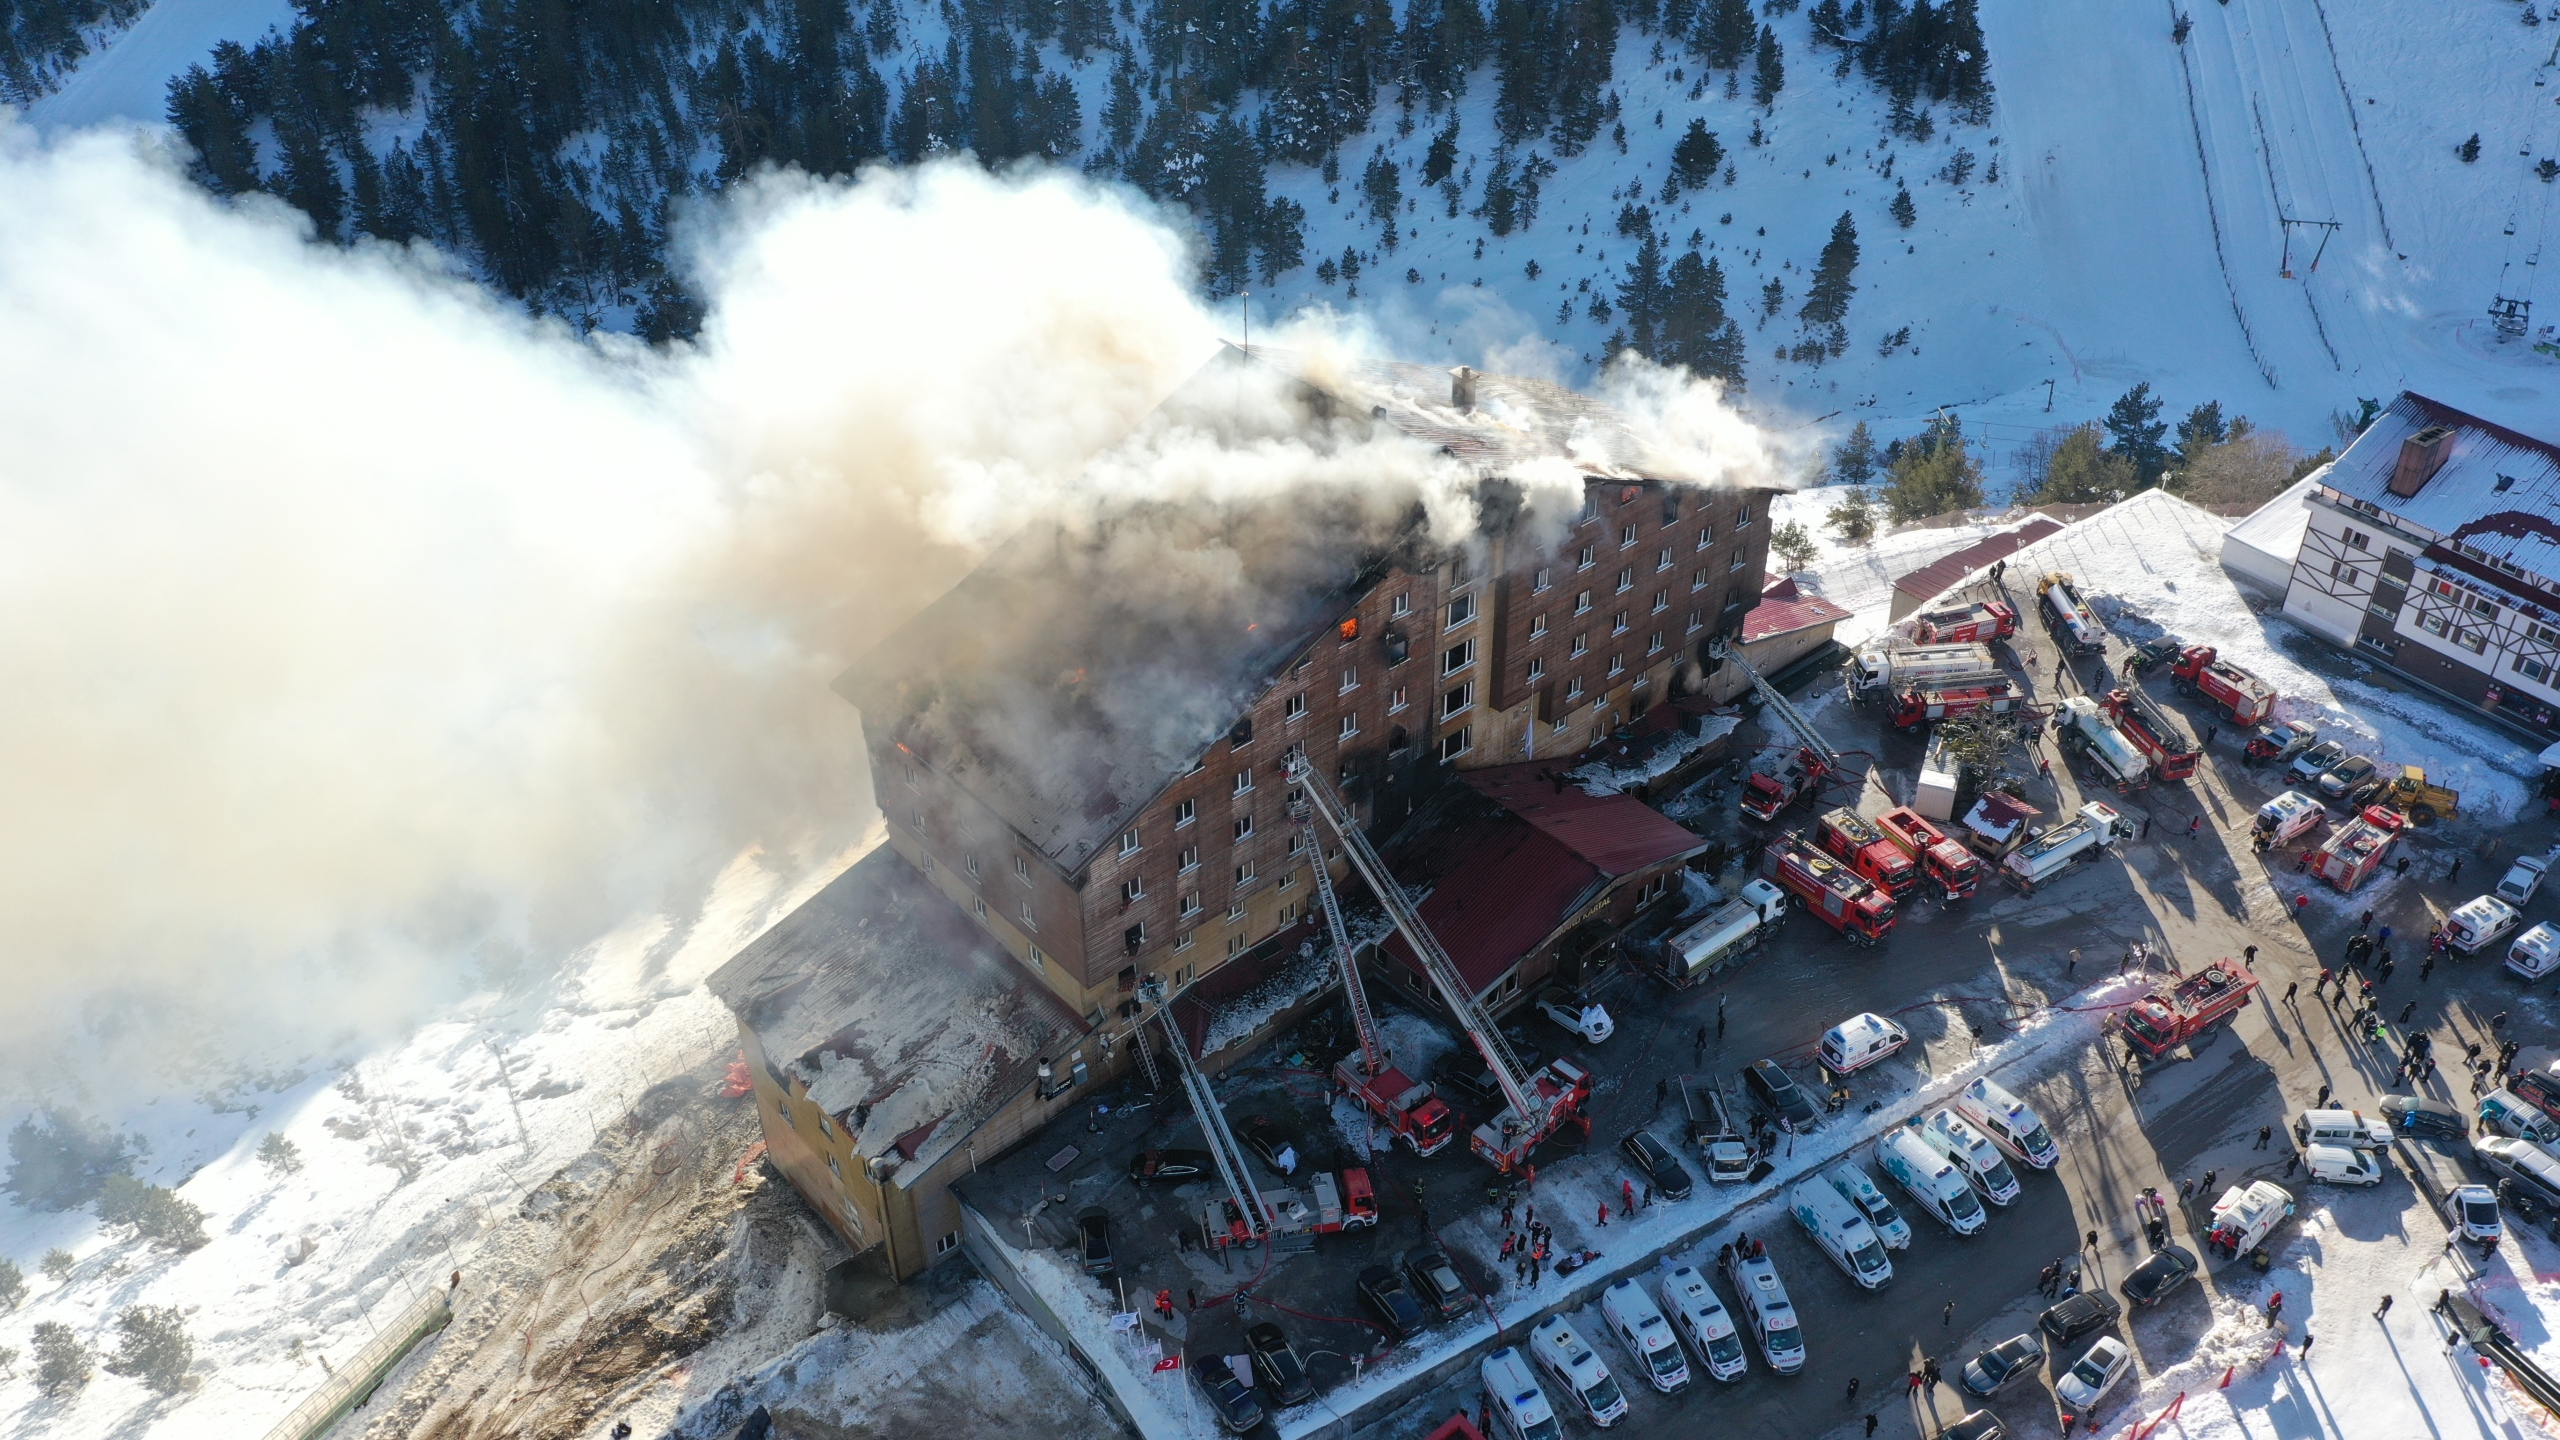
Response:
column 361, row 629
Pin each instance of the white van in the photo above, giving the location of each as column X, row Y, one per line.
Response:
column 1978, row 1158
column 1841, row 1231
column 1578, row 1369
column 2480, row 922
column 1703, row 1318
column 1519, row 1406
column 1854, row 1185
column 2010, row 1124
column 1932, row 1182
column 2341, row 1127
column 2536, row 952
column 2343, row 1164
column 1754, row 1276
column 2507, row 1113
column 1860, row 1041
column 1647, row 1336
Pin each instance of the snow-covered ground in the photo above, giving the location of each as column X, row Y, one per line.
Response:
column 411, row 1155
column 127, row 81
column 1860, row 577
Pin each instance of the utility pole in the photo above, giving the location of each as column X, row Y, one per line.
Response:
column 2048, row 396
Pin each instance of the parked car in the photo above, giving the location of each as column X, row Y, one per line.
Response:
column 1437, row 1282
column 2078, row 1315
column 1387, row 1298
column 1230, row 1399
column 2522, row 879
column 2473, row 1209
column 1661, row 1168
column 1276, row 1361
column 1570, row 1009
column 2313, row 763
column 1093, row 1235
column 2002, row 1366
column 1274, row 1146
column 1980, row 1425
column 1462, row 1079
column 2417, row 1115
column 2281, row 740
column 2150, row 655
column 2341, row 779
column 2095, row 1374
column 2162, row 1275
column 1777, row 1094
column 1171, row 1167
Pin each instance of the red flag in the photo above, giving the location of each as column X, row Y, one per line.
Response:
column 1170, row 1362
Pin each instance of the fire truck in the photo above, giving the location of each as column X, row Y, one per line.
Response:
column 2165, row 1019
column 2247, row 699
column 1536, row 1103
column 1861, row 912
column 1765, row 793
column 2088, row 733
column 2157, row 732
column 1949, row 864
column 1983, row 621
column 2356, row 849
column 1855, row 839
column 2075, row 627
column 1946, row 700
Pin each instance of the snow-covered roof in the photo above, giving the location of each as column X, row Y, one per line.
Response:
column 878, row 991
column 1949, row 571
column 2496, row 491
column 2263, row 545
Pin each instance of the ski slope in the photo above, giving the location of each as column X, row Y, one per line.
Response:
column 127, row 82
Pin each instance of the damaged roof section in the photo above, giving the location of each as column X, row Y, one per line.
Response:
column 879, row 992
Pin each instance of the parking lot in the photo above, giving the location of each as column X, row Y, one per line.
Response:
column 1957, row 976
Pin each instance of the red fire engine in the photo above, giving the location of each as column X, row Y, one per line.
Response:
column 2357, row 848
column 1767, row 792
column 1949, row 864
column 1859, row 911
column 2165, row 1019
column 1981, row 622
column 1948, row 699
column 2157, row 732
column 2247, row 699
column 1852, row 837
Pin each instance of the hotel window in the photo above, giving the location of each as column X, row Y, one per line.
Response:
column 1351, row 677
column 1190, row 902
column 1181, row 943
column 1618, row 626
column 1289, row 881
column 1693, row 620
column 979, row 904
column 1573, row 688
column 1129, row 842
column 1235, row 946
column 1656, row 647
column 1350, row 727
column 1235, row 911
column 1244, row 874
column 2341, row 570
column 1190, row 858
column 1584, row 561
column 1626, row 579
column 1626, row 537
column 1298, row 838
column 1736, row 561
column 1706, row 536
column 2543, row 633
column 1453, row 746
column 2358, row 540
column 1021, row 868
column 1400, row 606
column 944, row 1245
column 1457, row 657
column 1457, row 700
column 1581, row 647
column 2472, row 640
column 1742, row 518
column 1184, row 812
column 1617, row 665
column 1698, row 581
column 1663, row 560
column 1537, row 671
column 1661, row 601
column 1590, row 507
column 1296, row 709
column 1538, row 582
column 1461, row 610
column 972, row 862
column 1133, row 890
column 2533, row 670
column 1395, row 700
column 1537, row 627
column 1288, row 912
column 1243, row 782
column 1243, row 826
column 1581, row 604
column 1027, row 922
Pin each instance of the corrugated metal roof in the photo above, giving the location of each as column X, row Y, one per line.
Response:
column 1510, row 887
column 1772, row 618
column 1935, row 578
column 880, row 991
column 1614, row 834
column 2498, row 490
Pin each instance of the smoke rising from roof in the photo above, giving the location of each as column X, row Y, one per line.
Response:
column 366, row 632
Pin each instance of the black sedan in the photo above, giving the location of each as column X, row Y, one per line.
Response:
column 2002, row 1366
column 1276, row 1361
column 1093, row 1234
column 1230, row 1399
column 2416, row 1115
column 1776, row 1094
column 1171, row 1167
column 1437, row 1282
column 1384, row 1291
column 1275, row 1147
column 1462, row 1079
column 2163, row 1275
column 1660, row 1168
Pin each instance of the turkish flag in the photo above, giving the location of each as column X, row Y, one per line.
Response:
column 1170, row 1362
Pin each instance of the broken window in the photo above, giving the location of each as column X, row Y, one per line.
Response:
column 1242, row 734
column 1135, row 937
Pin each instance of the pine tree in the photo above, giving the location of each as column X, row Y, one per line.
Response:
column 62, row 1362
column 2082, row 473
column 13, row 1284
column 1442, row 157
column 2469, row 149
column 1769, row 74
column 2135, row 430
column 1586, row 42
column 2203, row 426
column 1726, row 33
column 1640, row 295
column 1794, row 546
column 1905, row 214
column 1826, row 299
column 153, row 1346
column 1695, row 160
column 1934, row 473
column 1853, row 519
column 1855, row 460
column 1696, row 332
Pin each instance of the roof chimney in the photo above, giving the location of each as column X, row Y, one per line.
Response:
column 2421, row 456
column 1462, row 389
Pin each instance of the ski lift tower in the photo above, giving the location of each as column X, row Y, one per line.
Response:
column 2511, row 317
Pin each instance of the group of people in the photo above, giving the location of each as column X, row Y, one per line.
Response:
column 2059, row 1279
column 1526, row 1247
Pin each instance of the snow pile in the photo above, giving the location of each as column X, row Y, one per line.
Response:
column 1602, row 777
column 1305, row 973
